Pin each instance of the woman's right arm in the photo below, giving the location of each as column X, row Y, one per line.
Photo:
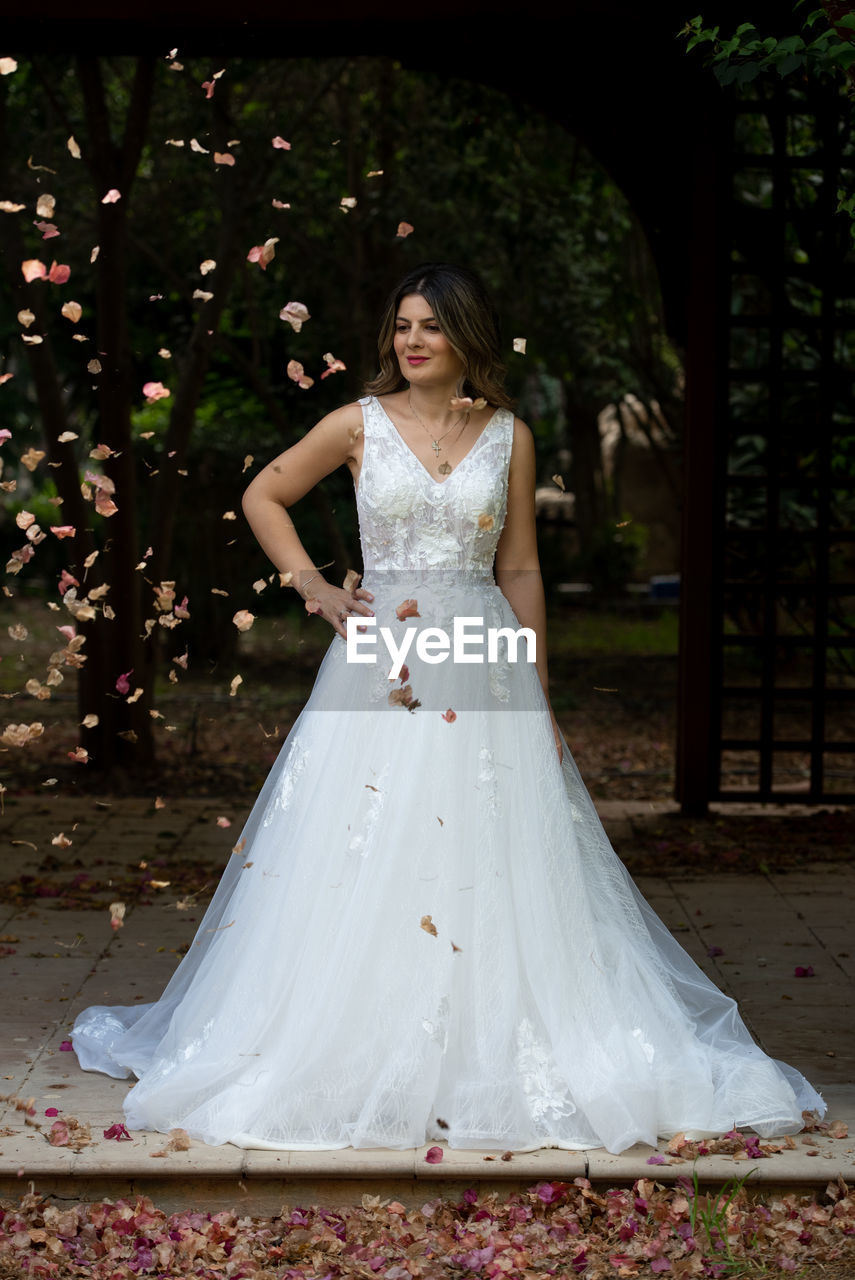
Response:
column 286, row 480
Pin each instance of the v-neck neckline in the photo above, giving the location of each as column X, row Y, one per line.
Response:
column 412, row 453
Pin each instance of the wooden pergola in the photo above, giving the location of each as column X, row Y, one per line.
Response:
column 737, row 199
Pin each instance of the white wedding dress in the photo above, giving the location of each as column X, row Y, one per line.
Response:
column 423, row 932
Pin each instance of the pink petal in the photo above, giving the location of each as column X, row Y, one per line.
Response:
column 434, row 1155
column 5, row 434
column 66, row 1047
column 52, row 1111
column 119, row 1132
column 154, row 391
column 63, row 530
column 405, row 229
column 58, row 1136
column 122, row 684
column 33, row 269
column 58, row 273
column 657, row 1159
column 111, row 197
column 281, row 144
column 803, row 971
column 296, row 374
column 296, row 314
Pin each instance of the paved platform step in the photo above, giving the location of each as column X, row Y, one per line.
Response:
column 260, row 1182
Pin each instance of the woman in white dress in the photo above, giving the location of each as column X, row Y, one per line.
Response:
column 423, row 933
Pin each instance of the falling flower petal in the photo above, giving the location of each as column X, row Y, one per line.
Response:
column 243, row 619
column 7, row 66
column 519, row 345
column 63, row 530
column 334, row 366
column 33, row 269
column 18, row 735
column 449, row 715
column 208, row 265
column 72, row 311
column 80, row 755
column 223, row 157
column 296, row 315
column 154, row 391
column 73, row 147
column 235, row 685
column 104, row 505
column 32, row 458
column 48, row 229
column 404, row 228
column 408, row 609
column 281, row 144
column 428, row 925
column 263, row 253
column 296, row 374
column 197, row 146
column 466, row 402
column 434, row 1155
column 59, row 273
column 111, row 197
column 224, row 822
column 94, row 366
column 9, row 206
column 123, row 684
column 280, row 204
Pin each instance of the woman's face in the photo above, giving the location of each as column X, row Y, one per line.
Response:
column 425, row 356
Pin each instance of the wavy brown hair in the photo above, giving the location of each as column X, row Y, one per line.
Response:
column 466, row 317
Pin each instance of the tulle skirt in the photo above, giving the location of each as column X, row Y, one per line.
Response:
column 423, row 933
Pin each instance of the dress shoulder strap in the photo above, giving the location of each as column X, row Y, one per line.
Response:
column 372, row 419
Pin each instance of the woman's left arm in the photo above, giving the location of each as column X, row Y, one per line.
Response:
column 517, row 565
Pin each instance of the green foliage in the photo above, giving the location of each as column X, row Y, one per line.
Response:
column 819, row 52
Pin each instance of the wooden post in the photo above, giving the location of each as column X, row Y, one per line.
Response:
column 704, row 453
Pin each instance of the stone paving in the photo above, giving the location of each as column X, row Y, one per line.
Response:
column 60, row 955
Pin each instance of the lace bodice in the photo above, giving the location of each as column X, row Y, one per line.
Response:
column 409, row 520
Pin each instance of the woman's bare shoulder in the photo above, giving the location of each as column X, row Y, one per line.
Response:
column 523, row 437
column 347, row 415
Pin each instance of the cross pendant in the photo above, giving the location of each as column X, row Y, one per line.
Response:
column 435, row 447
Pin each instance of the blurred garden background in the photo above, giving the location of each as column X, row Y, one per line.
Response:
column 195, row 253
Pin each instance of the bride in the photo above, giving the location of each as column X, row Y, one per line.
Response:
column 423, row 932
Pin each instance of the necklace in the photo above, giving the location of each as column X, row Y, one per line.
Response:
column 435, row 440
